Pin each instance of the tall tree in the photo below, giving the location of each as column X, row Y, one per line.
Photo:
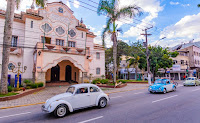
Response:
column 111, row 9
column 9, row 18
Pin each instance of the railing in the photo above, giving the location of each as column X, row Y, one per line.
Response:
column 60, row 49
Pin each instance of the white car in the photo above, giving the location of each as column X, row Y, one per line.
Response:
column 76, row 97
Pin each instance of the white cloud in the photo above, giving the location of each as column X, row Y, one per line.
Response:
column 91, row 28
column 152, row 7
column 185, row 5
column 174, row 3
column 184, row 30
column 76, row 4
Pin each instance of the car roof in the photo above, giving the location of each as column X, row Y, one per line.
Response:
column 83, row 85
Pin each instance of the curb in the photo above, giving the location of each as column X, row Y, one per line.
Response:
column 44, row 102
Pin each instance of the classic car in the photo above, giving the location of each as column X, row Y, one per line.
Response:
column 162, row 85
column 76, row 97
column 191, row 81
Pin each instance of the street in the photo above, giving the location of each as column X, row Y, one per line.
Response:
column 137, row 106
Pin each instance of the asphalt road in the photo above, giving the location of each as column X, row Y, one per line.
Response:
column 139, row 106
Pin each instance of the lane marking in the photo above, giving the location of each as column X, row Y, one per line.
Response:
column 115, row 97
column 91, row 119
column 164, row 98
column 196, row 89
column 15, row 115
column 139, row 93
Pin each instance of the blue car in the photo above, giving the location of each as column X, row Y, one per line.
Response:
column 162, row 85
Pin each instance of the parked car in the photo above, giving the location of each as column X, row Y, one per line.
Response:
column 191, row 81
column 76, row 97
column 162, row 85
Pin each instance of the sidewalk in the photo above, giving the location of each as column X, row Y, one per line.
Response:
column 48, row 92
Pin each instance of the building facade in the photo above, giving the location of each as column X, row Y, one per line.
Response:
column 54, row 45
column 187, row 62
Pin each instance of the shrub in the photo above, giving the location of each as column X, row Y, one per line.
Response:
column 10, row 88
column 104, row 81
column 16, row 89
column 27, row 81
column 28, row 87
column 21, row 86
column 40, row 84
column 96, row 81
column 123, row 81
column 34, row 85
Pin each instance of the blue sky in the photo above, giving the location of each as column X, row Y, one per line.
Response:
column 177, row 20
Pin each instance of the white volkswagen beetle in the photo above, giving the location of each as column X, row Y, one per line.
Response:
column 76, row 97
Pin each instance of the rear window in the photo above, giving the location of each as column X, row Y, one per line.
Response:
column 94, row 89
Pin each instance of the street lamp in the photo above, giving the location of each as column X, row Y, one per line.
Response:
column 159, row 40
column 18, row 71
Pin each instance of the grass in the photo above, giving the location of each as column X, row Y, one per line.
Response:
column 134, row 81
column 8, row 94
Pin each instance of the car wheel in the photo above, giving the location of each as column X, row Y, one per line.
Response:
column 174, row 88
column 164, row 91
column 102, row 102
column 151, row 92
column 61, row 110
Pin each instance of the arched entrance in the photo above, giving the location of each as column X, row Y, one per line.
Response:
column 55, row 73
column 68, row 73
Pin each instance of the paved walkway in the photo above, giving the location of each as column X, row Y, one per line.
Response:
column 48, row 92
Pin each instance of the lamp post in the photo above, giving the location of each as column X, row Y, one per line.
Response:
column 18, row 71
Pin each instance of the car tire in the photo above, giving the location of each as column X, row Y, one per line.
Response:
column 174, row 88
column 102, row 102
column 151, row 92
column 61, row 111
column 164, row 91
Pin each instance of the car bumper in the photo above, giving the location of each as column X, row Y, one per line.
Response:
column 154, row 91
column 44, row 109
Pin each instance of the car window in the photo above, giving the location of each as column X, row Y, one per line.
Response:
column 70, row 90
column 94, row 89
column 167, row 82
column 82, row 90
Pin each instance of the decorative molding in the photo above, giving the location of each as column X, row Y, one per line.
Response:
column 55, row 62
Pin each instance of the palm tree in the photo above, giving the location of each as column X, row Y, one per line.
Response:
column 7, row 40
column 111, row 9
column 134, row 62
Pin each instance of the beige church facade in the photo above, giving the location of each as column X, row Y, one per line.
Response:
column 54, row 46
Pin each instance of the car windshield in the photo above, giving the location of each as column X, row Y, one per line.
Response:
column 159, row 81
column 70, row 90
column 190, row 79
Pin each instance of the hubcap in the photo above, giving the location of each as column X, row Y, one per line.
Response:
column 61, row 111
column 103, row 103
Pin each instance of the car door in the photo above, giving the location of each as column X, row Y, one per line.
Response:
column 168, row 86
column 81, row 98
column 94, row 93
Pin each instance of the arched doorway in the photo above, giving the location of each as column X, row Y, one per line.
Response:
column 55, row 73
column 68, row 73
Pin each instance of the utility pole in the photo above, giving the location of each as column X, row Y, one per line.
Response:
column 147, row 53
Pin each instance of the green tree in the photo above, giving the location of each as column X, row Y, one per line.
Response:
column 9, row 17
column 114, row 13
column 122, row 49
column 198, row 5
